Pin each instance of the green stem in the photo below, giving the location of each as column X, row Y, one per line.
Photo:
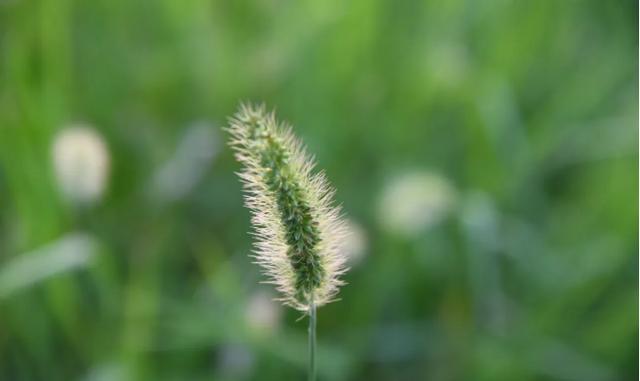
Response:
column 312, row 340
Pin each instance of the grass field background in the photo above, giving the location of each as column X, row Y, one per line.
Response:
column 485, row 153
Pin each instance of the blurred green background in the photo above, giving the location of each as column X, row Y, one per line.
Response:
column 485, row 153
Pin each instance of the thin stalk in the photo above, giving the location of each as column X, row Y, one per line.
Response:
column 312, row 340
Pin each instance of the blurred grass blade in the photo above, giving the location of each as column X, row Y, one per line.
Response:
column 68, row 253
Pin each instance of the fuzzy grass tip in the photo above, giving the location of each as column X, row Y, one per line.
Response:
column 299, row 231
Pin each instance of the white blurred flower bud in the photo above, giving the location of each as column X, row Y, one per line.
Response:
column 262, row 312
column 414, row 202
column 356, row 243
column 81, row 163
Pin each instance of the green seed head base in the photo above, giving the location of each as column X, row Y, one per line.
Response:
column 298, row 230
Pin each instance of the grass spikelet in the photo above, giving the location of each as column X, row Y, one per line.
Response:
column 298, row 230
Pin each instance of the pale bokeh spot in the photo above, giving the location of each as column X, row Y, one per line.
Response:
column 81, row 163
column 415, row 201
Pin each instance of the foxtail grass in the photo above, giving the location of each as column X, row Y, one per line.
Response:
column 298, row 229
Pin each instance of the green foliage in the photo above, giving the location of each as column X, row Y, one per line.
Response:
column 521, row 115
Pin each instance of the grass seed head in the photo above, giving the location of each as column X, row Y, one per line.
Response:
column 299, row 232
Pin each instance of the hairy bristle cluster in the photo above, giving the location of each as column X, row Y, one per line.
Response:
column 298, row 230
